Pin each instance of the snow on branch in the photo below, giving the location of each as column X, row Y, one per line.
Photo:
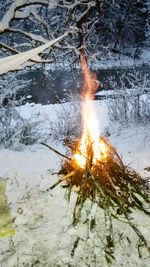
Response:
column 70, row 5
column 13, row 62
column 32, row 36
column 10, row 14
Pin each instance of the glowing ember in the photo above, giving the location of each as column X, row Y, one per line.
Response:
column 90, row 140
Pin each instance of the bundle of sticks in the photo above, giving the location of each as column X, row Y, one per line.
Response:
column 109, row 182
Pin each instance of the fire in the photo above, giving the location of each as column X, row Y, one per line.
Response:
column 90, row 143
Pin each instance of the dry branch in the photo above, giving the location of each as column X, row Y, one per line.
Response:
column 55, row 151
column 109, row 184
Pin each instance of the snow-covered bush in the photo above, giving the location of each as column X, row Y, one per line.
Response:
column 67, row 123
column 130, row 100
column 14, row 129
column 31, row 132
column 9, row 117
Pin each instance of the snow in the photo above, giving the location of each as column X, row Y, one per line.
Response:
column 44, row 235
column 13, row 62
column 108, row 61
column 117, row 60
column 133, row 144
column 49, row 113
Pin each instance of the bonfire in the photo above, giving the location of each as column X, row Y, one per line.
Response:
column 95, row 171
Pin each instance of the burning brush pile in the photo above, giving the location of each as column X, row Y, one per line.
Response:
column 104, row 180
column 93, row 168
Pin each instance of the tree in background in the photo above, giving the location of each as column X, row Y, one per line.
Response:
column 98, row 26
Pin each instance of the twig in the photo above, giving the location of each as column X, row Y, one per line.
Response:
column 54, row 185
column 55, row 151
column 75, row 246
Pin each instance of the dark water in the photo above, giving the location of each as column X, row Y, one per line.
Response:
column 54, row 86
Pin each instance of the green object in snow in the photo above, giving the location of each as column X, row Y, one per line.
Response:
column 6, row 226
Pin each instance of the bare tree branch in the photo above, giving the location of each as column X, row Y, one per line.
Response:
column 7, row 47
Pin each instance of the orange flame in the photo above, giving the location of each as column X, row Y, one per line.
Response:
column 90, row 140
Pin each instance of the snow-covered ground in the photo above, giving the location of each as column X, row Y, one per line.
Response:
column 42, row 220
